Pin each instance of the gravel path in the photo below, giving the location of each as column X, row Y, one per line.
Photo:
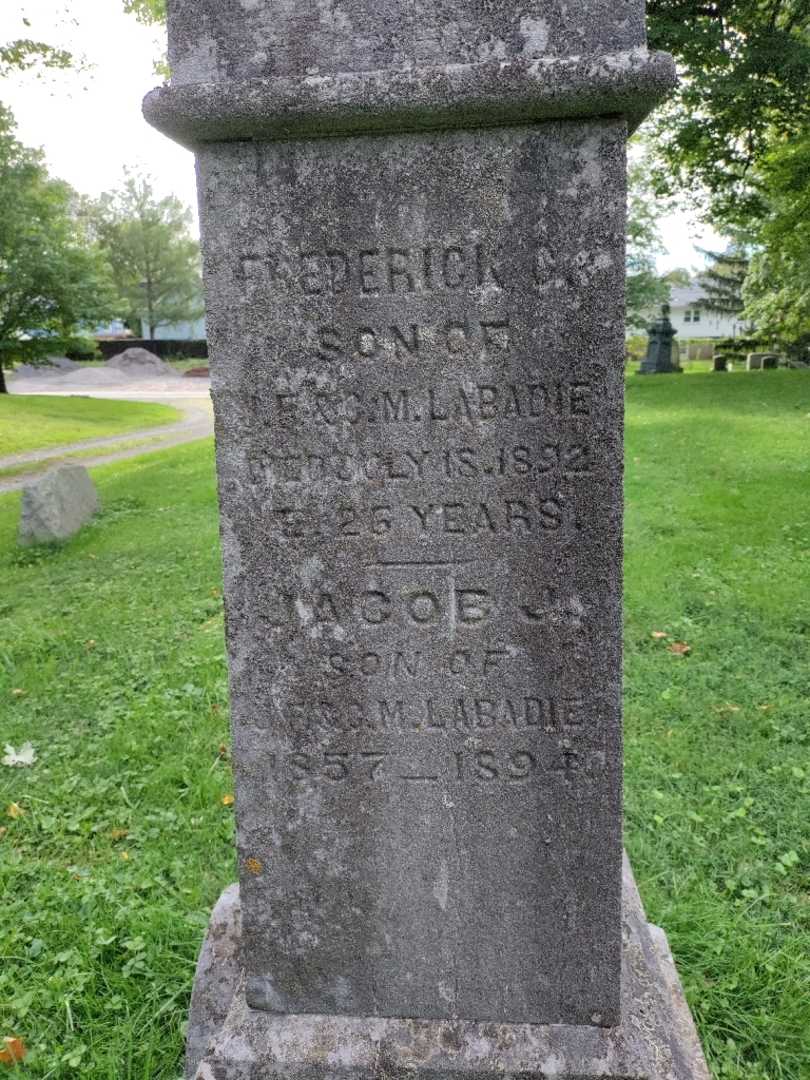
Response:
column 193, row 401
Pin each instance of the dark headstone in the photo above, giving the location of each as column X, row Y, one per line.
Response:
column 418, row 381
column 720, row 362
column 662, row 352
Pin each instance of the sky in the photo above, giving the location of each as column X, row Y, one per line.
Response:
column 89, row 124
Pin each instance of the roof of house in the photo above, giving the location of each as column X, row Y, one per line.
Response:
column 686, row 295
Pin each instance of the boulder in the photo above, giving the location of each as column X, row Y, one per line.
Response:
column 137, row 362
column 56, row 505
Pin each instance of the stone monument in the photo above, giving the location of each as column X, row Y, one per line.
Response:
column 662, row 355
column 413, row 220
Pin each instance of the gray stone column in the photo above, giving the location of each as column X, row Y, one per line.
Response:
column 413, row 224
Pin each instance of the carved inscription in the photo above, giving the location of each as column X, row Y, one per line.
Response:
column 484, row 766
column 447, row 405
column 421, row 436
column 383, row 269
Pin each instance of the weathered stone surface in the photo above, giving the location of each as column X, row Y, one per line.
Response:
column 55, row 506
column 211, row 40
column 417, row 343
column 491, row 93
column 656, row 1039
column 422, row 538
column 217, row 977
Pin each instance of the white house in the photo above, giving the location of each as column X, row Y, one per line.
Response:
column 692, row 319
column 182, row 331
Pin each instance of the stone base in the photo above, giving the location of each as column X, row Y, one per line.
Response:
column 227, row 1040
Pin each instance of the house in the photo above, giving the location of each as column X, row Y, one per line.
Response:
column 182, row 331
column 692, row 319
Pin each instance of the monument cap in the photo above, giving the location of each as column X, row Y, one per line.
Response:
column 286, row 69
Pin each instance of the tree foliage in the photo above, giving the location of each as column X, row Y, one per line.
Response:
column 154, row 258
column 25, row 53
column 645, row 288
column 777, row 289
column 745, row 70
column 147, row 11
column 54, row 284
column 723, row 279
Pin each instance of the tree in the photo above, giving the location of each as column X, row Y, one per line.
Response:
column 777, row 289
column 54, row 284
column 645, row 288
column 722, row 281
column 745, row 69
column 154, row 258
column 680, row 277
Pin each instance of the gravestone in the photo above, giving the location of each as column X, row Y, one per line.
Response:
column 761, row 362
column 720, row 362
column 56, row 505
column 662, row 352
column 413, row 223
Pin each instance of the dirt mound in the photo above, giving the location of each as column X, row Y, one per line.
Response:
column 139, row 363
column 51, row 368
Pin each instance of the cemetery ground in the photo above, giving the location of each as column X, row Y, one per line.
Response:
column 116, row 841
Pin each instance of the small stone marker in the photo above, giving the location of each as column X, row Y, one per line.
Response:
column 413, row 219
column 56, row 505
column 720, row 362
column 662, row 352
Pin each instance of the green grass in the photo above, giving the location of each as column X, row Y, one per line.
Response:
column 115, row 642
column 32, row 468
column 37, row 421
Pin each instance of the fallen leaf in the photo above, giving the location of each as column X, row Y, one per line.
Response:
column 12, row 1050
column 680, row 648
column 253, row 865
column 223, row 751
column 18, row 692
column 14, row 811
column 119, row 834
column 228, row 800
column 90, row 644
column 659, row 635
column 26, row 755
column 727, row 708
column 125, row 856
column 765, row 708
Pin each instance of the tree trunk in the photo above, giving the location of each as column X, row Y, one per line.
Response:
column 3, row 387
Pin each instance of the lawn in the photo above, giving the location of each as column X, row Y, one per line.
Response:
column 119, row 838
column 37, row 421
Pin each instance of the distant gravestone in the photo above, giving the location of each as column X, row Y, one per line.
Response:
column 55, row 506
column 720, row 362
column 662, row 352
column 762, row 362
column 413, row 219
